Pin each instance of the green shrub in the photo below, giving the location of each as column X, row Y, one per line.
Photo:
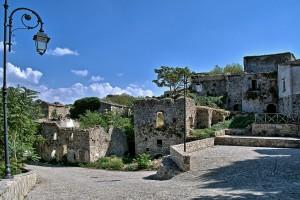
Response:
column 15, row 167
column 210, row 132
column 81, row 106
column 242, row 121
column 91, row 119
column 112, row 163
column 210, row 101
column 131, row 167
column 143, row 161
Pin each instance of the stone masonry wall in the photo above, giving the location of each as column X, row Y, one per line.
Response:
column 62, row 111
column 266, row 63
column 209, row 85
column 206, row 116
column 234, row 92
column 157, row 140
column 80, row 145
column 259, row 91
column 273, row 130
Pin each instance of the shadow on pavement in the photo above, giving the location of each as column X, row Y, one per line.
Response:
column 274, row 175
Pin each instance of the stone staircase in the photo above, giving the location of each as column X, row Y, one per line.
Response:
column 256, row 141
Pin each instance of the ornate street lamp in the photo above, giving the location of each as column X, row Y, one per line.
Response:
column 41, row 41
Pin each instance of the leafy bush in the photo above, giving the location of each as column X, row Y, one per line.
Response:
column 112, row 163
column 143, row 161
column 92, row 119
column 236, row 122
column 15, row 167
column 81, row 106
column 131, row 167
column 210, row 132
column 242, row 121
column 210, row 101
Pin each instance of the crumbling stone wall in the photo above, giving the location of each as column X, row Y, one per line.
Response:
column 206, row 116
column 227, row 85
column 80, row 145
column 260, row 93
column 156, row 140
column 116, row 108
column 48, row 109
column 234, row 92
column 209, row 85
column 266, row 63
column 203, row 117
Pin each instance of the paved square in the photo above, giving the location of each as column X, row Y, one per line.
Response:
column 220, row 172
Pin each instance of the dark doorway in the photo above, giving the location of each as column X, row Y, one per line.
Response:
column 237, row 107
column 271, row 108
column 254, row 85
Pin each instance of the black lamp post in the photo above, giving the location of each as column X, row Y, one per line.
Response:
column 185, row 94
column 41, row 41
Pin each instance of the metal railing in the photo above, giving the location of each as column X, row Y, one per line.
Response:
column 277, row 118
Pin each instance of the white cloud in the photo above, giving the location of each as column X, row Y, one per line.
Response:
column 16, row 75
column 120, row 74
column 31, row 78
column 80, row 72
column 62, row 52
column 97, row 78
column 78, row 90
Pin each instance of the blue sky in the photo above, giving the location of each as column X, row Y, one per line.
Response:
column 112, row 46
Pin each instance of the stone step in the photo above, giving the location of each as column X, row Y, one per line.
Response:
column 280, row 142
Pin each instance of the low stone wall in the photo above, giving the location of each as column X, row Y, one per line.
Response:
column 252, row 141
column 18, row 187
column 183, row 159
column 273, row 130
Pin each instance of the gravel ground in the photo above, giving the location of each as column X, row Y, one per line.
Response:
column 220, row 172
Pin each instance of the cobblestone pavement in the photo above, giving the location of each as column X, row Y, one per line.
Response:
column 220, row 172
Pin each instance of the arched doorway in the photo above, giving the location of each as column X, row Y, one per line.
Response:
column 271, row 108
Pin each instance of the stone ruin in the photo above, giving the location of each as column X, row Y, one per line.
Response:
column 76, row 145
column 49, row 109
column 269, row 84
column 159, row 123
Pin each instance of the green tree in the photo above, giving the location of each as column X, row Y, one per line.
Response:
column 91, row 119
column 233, row 68
column 122, row 99
column 171, row 77
column 22, row 121
column 81, row 106
column 217, row 70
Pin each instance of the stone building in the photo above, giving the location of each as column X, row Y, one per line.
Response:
column 112, row 107
column 289, row 88
column 255, row 90
column 159, row 123
column 54, row 110
column 73, row 144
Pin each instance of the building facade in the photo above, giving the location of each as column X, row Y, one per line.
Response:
column 256, row 89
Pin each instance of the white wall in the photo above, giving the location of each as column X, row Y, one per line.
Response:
column 284, row 72
column 295, row 80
